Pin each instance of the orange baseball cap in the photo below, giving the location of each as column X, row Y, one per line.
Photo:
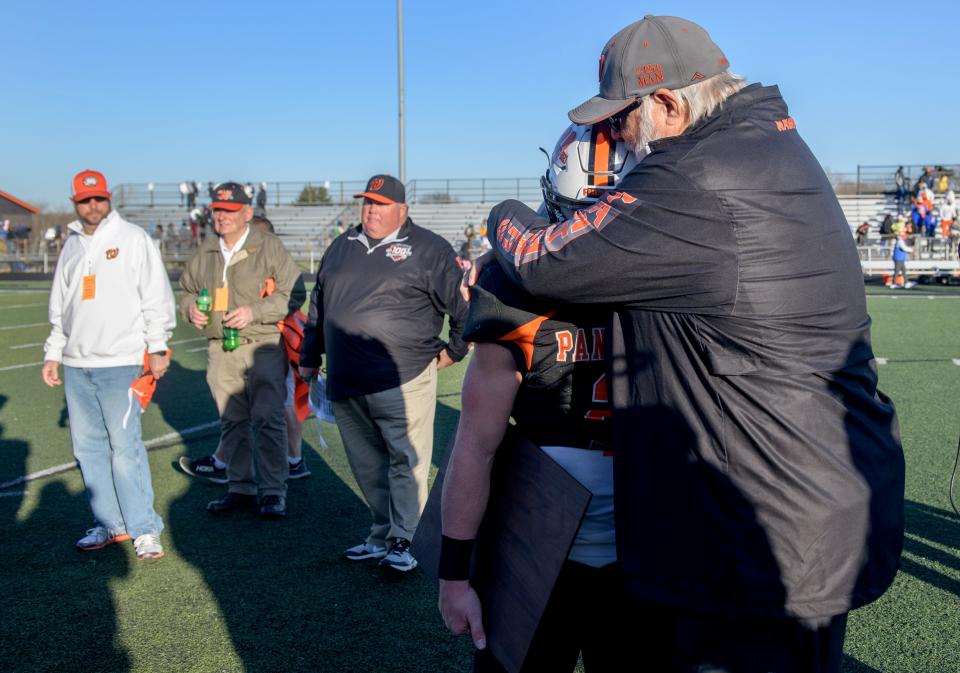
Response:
column 87, row 184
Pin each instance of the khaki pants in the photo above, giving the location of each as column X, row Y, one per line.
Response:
column 249, row 388
column 388, row 437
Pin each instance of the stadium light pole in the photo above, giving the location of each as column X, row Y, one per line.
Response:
column 403, row 157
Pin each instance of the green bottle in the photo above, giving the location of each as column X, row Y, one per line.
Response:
column 204, row 304
column 231, row 337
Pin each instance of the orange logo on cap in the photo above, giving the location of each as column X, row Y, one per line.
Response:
column 112, row 253
column 376, row 184
column 650, row 73
column 224, row 194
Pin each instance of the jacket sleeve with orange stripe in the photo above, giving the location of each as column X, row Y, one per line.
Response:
column 660, row 242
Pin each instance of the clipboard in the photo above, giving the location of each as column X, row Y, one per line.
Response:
column 532, row 517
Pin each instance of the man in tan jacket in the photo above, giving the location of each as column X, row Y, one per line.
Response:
column 247, row 383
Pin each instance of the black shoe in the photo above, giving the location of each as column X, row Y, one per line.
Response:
column 273, row 506
column 232, row 502
column 204, row 468
column 299, row 471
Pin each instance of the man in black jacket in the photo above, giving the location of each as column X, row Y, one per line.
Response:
column 758, row 470
column 377, row 311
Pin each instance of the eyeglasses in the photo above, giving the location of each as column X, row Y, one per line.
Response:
column 94, row 199
column 616, row 121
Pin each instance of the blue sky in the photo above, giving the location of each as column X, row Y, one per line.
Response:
column 307, row 90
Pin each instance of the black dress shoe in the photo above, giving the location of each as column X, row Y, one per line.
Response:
column 273, row 506
column 232, row 502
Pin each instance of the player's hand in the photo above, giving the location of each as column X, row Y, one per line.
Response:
column 309, row 373
column 51, row 373
column 239, row 317
column 197, row 317
column 471, row 271
column 158, row 364
column 443, row 359
column 460, row 608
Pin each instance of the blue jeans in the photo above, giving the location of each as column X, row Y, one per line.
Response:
column 105, row 427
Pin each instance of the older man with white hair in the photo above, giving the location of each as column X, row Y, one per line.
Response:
column 758, row 470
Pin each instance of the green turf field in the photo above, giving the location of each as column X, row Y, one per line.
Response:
column 263, row 597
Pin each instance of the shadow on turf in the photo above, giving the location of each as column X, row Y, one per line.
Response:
column 58, row 612
column 924, row 525
column 290, row 603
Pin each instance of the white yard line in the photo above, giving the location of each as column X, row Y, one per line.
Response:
column 913, row 296
column 22, row 306
column 56, row 469
column 29, row 364
column 881, row 361
column 32, row 324
column 194, row 350
column 187, row 341
column 13, row 348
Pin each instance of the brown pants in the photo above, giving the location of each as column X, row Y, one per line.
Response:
column 388, row 437
column 249, row 388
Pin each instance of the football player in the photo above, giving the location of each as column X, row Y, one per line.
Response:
column 543, row 366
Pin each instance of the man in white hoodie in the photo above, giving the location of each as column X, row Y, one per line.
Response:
column 110, row 303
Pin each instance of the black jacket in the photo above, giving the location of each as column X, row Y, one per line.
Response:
column 377, row 312
column 758, row 469
column 562, row 400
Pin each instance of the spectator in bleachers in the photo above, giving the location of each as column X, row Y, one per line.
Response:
column 191, row 194
column 943, row 183
column 901, row 183
column 262, row 197
column 862, row 231
column 928, row 177
column 469, row 234
column 948, row 213
column 4, row 236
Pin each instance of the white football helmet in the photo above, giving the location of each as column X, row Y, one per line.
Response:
column 586, row 163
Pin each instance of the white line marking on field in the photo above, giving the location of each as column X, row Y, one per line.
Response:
column 12, row 494
column 13, row 348
column 881, row 361
column 29, row 364
column 956, row 361
column 186, row 341
column 33, row 324
column 23, row 306
column 56, row 469
column 194, row 350
column 913, row 296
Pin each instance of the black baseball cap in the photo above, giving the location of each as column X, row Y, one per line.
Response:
column 655, row 52
column 383, row 189
column 230, row 196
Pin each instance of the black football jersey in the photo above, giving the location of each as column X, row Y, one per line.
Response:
column 562, row 400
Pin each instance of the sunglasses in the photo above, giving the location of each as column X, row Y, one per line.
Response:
column 94, row 199
column 616, row 121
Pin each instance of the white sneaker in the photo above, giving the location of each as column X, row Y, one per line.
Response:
column 399, row 557
column 364, row 551
column 148, row 546
column 99, row 537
